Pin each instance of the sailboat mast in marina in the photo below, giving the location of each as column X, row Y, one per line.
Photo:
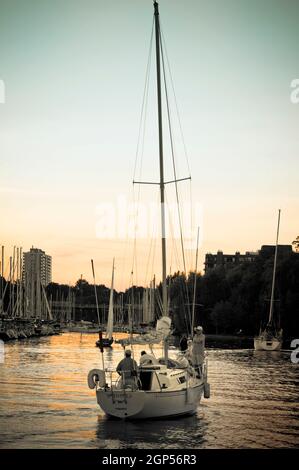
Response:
column 107, row 340
column 270, row 339
column 109, row 330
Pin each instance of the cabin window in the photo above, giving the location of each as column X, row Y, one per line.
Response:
column 182, row 379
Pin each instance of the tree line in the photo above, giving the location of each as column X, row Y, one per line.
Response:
column 237, row 299
column 227, row 300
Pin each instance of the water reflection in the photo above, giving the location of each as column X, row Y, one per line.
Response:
column 170, row 433
column 45, row 401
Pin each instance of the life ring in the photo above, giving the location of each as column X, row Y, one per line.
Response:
column 96, row 376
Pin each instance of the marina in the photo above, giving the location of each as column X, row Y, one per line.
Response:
column 11, row 329
column 164, row 316
column 25, row 310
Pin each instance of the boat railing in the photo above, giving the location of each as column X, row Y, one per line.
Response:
column 116, row 381
column 120, row 381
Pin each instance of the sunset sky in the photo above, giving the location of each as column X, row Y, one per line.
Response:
column 74, row 74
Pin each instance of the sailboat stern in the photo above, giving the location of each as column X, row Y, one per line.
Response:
column 140, row 404
column 262, row 344
column 121, row 404
column 104, row 343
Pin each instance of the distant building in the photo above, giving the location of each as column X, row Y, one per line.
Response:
column 226, row 261
column 223, row 260
column 37, row 265
column 37, row 274
column 282, row 249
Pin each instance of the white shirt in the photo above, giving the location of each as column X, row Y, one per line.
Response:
column 146, row 359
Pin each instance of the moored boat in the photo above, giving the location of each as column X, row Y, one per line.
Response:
column 107, row 340
column 270, row 339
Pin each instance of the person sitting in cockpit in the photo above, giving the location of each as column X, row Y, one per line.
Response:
column 147, row 359
column 127, row 369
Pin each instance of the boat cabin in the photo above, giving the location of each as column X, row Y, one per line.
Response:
column 159, row 377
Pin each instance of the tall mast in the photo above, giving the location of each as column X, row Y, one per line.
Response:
column 96, row 294
column 2, row 280
column 21, row 283
column 274, row 271
column 162, row 183
column 194, row 287
column 109, row 329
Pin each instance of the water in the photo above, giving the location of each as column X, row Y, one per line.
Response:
column 45, row 401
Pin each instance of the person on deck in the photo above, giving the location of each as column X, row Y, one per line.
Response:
column 147, row 359
column 198, row 348
column 127, row 368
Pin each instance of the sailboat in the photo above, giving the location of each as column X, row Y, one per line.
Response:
column 166, row 387
column 107, row 340
column 270, row 339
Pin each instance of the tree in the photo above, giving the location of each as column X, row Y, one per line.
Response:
column 295, row 243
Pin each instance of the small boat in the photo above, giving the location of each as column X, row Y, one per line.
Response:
column 166, row 387
column 270, row 339
column 107, row 340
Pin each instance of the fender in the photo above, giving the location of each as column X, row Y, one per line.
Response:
column 96, row 376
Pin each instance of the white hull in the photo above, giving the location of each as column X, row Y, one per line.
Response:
column 262, row 344
column 141, row 404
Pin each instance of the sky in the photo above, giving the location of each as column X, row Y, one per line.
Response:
column 74, row 75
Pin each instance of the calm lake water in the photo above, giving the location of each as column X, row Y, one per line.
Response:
column 45, row 401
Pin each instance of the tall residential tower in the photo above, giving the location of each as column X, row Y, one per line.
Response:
column 37, row 274
column 37, row 264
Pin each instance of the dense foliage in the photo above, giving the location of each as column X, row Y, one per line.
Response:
column 238, row 298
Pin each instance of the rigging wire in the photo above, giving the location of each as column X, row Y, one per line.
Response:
column 175, row 100
column 151, row 251
column 184, row 295
column 175, row 177
column 141, row 139
column 174, row 165
column 144, row 99
column 183, row 140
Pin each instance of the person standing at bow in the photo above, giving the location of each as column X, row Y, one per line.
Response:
column 198, row 348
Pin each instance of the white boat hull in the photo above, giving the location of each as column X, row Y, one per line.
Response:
column 142, row 404
column 262, row 344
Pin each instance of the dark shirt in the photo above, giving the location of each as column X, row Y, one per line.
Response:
column 127, row 365
column 183, row 344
